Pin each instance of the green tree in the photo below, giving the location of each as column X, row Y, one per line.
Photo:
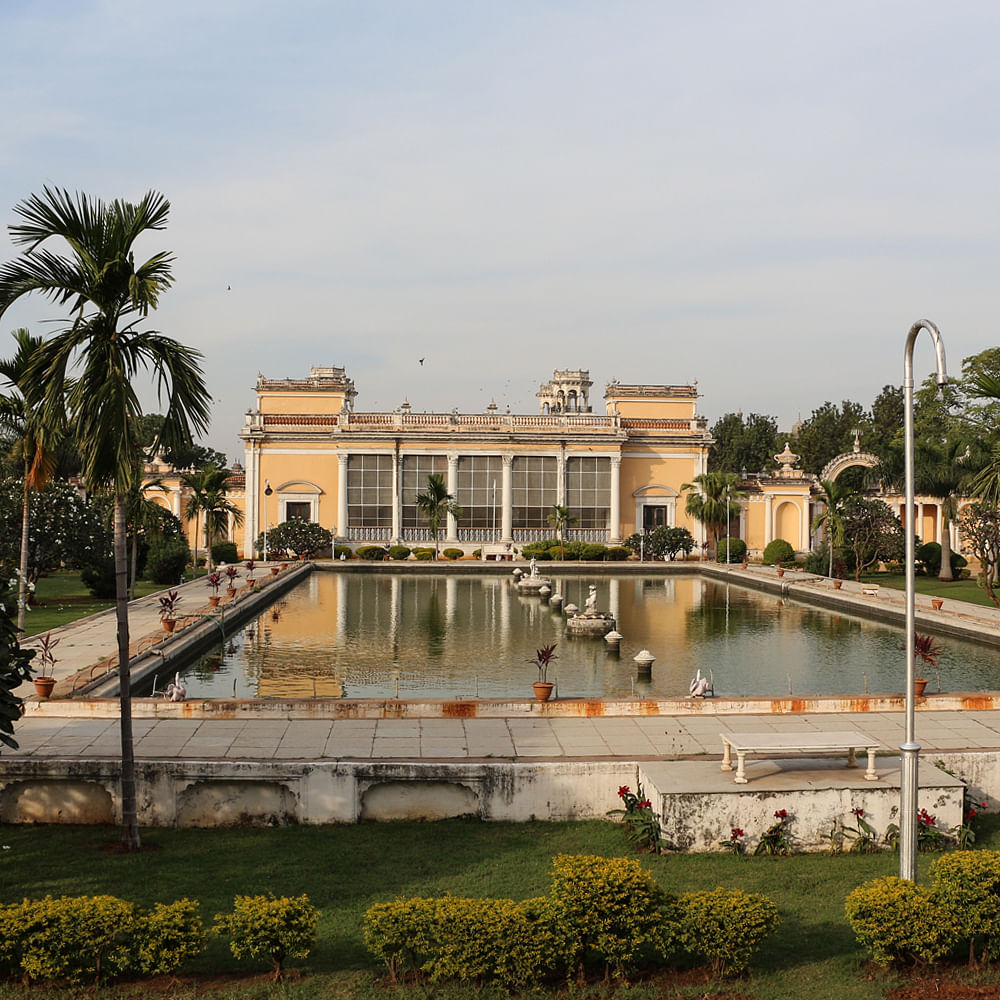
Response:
column 560, row 519
column 30, row 439
column 980, row 524
column 208, row 497
column 15, row 669
column 301, row 537
column 195, row 456
column 831, row 519
column 827, row 434
column 709, row 498
column 435, row 504
column 871, row 531
column 109, row 294
column 743, row 443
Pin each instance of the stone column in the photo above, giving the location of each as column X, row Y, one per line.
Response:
column 616, row 501
column 451, row 532
column 342, row 495
column 561, row 477
column 768, row 519
column 251, row 493
column 396, row 499
column 507, row 491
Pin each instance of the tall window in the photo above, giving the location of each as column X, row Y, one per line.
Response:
column 588, row 491
column 369, row 491
column 417, row 469
column 534, row 489
column 482, row 506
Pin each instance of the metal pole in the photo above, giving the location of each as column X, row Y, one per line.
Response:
column 727, row 534
column 910, row 749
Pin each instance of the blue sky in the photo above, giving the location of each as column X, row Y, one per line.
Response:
column 762, row 197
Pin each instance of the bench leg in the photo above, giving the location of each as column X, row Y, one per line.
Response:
column 727, row 757
column 852, row 761
column 741, row 774
column 870, row 774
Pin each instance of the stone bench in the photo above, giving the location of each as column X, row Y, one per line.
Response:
column 777, row 745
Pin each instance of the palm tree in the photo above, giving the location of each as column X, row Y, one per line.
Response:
column 560, row 519
column 710, row 497
column 938, row 472
column 219, row 509
column 208, row 497
column 435, row 504
column 832, row 497
column 108, row 294
column 31, row 442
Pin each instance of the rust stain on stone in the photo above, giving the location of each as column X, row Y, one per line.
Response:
column 982, row 702
column 459, row 710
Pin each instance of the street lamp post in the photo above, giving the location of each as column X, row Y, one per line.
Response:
column 727, row 527
column 910, row 749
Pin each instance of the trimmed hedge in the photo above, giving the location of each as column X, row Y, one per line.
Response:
column 617, row 553
column 731, row 550
column 225, row 552
column 452, row 553
column 399, row 552
column 270, row 927
column 343, row 550
column 726, row 926
column 372, row 553
column 777, row 551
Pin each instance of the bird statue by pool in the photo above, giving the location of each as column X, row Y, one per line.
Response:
column 699, row 686
column 175, row 690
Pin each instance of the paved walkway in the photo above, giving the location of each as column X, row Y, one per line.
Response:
column 632, row 737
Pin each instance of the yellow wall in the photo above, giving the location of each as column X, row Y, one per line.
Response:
column 302, row 402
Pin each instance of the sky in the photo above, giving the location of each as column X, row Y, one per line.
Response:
column 762, row 197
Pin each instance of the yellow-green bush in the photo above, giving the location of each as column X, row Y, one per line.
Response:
column 610, row 906
column 726, row 926
column 269, row 927
column 966, row 885
column 167, row 936
column 899, row 921
column 70, row 938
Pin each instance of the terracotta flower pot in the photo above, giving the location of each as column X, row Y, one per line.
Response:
column 168, row 624
column 543, row 690
column 275, row 571
column 936, row 603
column 284, row 565
column 214, row 600
column 919, row 683
column 44, row 686
column 781, row 572
column 231, row 591
column 837, row 584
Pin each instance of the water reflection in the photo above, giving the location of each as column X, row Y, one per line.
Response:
column 379, row 636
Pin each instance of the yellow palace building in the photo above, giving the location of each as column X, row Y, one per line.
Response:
column 310, row 453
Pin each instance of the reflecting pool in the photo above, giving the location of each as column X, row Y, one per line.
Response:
column 414, row 636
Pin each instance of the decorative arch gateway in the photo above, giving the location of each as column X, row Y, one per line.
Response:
column 849, row 459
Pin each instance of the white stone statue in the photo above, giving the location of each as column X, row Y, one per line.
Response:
column 533, row 566
column 591, row 605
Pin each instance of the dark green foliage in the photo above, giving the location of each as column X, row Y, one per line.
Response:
column 372, row 553
column 731, row 550
column 617, row 553
column 99, row 577
column 14, row 665
column 452, row 553
column 225, row 552
column 343, row 550
column 661, row 543
column 167, row 560
column 399, row 552
column 743, row 443
column 304, row 538
column 778, row 550
column 928, row 556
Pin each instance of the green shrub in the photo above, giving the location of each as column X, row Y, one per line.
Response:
column 225, row 552
column 453, row 553
column 966, row 885
column 167, row 560
column 928, row 556
column 778, row 551
column 535, row 548
column 477, row 553
column 269, row 927
column 399, row 552
column 617, row 553
column 372, row 553
column 593, row 552
column 343, row 550
column 70, row 938
column 611, row 907
column 564, row 553
column 99, row 577
column 726, row 926
column 899, row 921
column 731, row 550
column 424, row 554
column 167, row 936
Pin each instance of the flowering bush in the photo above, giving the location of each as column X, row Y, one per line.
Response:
column 777, row 838
column 642, row 825
column 735, row 844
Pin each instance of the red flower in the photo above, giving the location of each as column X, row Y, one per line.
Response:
column 736, row 833
column 859, row 813
column 644, row 805
column 622, row 791
column 926, row 818
column 781, row 814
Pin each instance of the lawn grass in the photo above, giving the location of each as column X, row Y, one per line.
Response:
column 345, row 869
column 931, row 586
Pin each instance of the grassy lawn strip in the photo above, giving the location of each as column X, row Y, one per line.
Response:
column 345, row 869
column 931, row 586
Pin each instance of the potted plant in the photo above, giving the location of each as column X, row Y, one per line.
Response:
column 926, row 649
column 251, row 582
column 233, row 574
column 779, row 568
column 215, row 581
column 45, row 682
column 168, row 609
column 543, row 657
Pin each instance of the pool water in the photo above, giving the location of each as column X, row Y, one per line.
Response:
column 427, row 637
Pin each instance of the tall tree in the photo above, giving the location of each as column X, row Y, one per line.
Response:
column 208, row 497
column 827, row 433
column 435, row 504
column 740, row 443
column 560, row 519
column 109, row 294
column 708, row 499
column 831, row 518
column 32, row 441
